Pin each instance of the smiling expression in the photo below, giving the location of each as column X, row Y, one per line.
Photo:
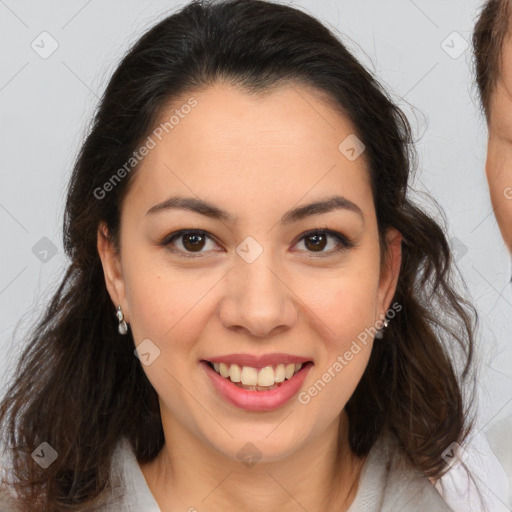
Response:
column 249, row 179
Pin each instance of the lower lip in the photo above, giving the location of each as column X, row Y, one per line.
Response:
column 258, row 400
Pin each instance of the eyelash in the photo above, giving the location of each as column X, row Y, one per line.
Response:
column 344, row 242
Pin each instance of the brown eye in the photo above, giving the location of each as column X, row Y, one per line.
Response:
column 193, row 241
column 317, row 240
column 187, row 242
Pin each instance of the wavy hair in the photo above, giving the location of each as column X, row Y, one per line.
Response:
column 78, row 385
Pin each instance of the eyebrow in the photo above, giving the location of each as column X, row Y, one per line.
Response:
column 210, row 210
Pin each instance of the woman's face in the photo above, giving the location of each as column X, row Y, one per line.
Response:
column 253, row 282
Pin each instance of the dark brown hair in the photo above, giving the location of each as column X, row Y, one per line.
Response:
column 78, row 385
column 488, row 36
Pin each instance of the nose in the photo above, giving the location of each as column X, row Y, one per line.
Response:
column 257, row 298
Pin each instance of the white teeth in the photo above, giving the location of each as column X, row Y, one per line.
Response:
column 235, row 373
column 264, row 377
column 288, row 370
column 279, row 374
column 249, row 376
column 224, row 371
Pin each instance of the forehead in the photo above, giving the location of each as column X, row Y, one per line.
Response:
column 293, row 116
column 286, row 142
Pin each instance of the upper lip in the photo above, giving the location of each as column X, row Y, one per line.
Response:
column 258, row 361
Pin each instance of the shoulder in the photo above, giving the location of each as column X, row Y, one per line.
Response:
column 500, row 442
column 115, row 495
column 129, row 490
column 389, row 482
column 408, row 489
column 480, row 475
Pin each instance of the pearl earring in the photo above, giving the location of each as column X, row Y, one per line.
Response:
column 379, row 334
column 123, row 326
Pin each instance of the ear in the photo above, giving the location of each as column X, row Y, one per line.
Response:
column 112, row 270
column 390, row 270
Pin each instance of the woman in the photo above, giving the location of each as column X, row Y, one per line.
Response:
column 211, row 347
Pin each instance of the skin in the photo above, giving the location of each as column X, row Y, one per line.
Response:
column 236, row 150
column 499, row 149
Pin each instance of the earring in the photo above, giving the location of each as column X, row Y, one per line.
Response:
column 379, row 334
column 123, row 326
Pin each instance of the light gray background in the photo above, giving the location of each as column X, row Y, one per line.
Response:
column 45, row 105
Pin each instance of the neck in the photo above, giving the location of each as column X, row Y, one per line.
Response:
column 188, row 471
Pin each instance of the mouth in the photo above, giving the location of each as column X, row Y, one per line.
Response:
column 258, row 379
column 257, row 389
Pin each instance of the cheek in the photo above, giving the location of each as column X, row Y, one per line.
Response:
column 343, row 302
column 167, row 305
column 150, row 293
column 335, row 379
column 159, row 306
column 347, row 317
column 344, row 315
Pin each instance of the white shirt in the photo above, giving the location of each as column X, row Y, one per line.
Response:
column 460, row 491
